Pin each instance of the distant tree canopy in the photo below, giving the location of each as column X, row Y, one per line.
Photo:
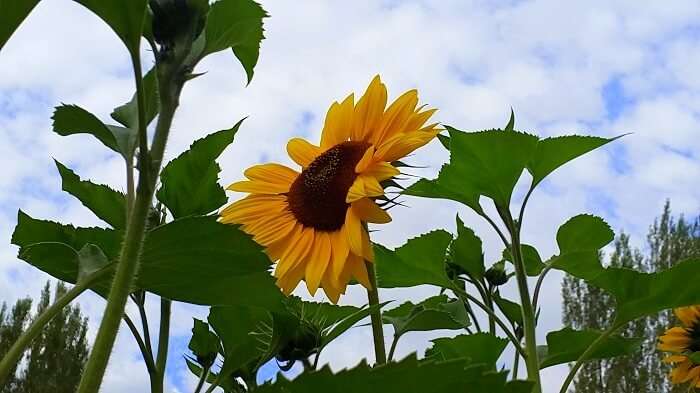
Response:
column 55, row 360
column 669, row 241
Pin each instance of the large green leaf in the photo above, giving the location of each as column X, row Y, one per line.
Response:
column 239, row 329
column 126, row 18
column 420, row 261
column 190, row 181
column 107, row 204
column 12, row 13
column 127, row 114
column 30, row 231
column 434, row 313
column 481, row 348
column 199, row 260
column 466, row 251
column 407, row 376
column 72, row 119
column 478, row 166
column 567, row 345
column 554, row 152
column 236, row 24
column 636, row 294
column 56, row 248
column 512, row 310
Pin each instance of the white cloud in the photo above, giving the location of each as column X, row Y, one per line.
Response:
column 472, row 60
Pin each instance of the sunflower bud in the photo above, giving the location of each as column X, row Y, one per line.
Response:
column 178, row 22
column 304, row 342
column 496, row 275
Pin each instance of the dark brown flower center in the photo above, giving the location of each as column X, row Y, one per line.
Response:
column 694, row 334
column 317, row 196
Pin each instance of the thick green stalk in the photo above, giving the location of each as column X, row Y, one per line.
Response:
column 376, row 316
column 163, row 342
column 169, row 88
column 531, row 360
column 15, row 353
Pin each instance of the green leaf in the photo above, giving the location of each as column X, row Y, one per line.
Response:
column 448, row 185
column 126, row 18
column 72, row 119
column 90, row 260
column 519, row 387
column 512, row 310
column 636, row 294
column 199, row 260
column 12, row 14
column 107, row 204
column 481, row 348
column 204, row 343
column 190, row 181
column 408, row 375
column 31, row 231
column 567, row 345
column 511, row 122
column 434, row 313
column 239, row 329
column 531, row 258
column 444, row 141
column 340, row 326
column 128, row 114
column 466, row 251
column 420, row 261
column 552, row 153
column 236, row 24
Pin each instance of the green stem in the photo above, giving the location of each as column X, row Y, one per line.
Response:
column 202, row 378
column 141, row 305
column 169, row 89
column 376, row 316
column 585, row 355
column 14, row 354
column 538, row 286
column 394, row 343
column 147, row 356
column 531, row 359
column 130, row 191
column 163, row 335
column 462, row 294
column 516, row 363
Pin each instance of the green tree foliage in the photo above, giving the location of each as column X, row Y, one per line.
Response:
column 55, row 360
column 587, row 307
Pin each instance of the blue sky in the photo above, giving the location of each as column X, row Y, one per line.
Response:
column 596, row 67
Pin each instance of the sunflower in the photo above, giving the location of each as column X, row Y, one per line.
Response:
column 683, row 342
column 313, row 221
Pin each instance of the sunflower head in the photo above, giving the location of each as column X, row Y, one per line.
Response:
column 683, row 343
column 313, row 220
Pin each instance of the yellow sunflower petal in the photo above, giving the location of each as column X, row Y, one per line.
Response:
column 680, row 372
column 352, row 231
column 687, row 315
column 302, row 152
column 266, row 179
column 675, row 359
column 277, row 249
column 364, row 186
column 358, row 270
column 341, row 249
column 258, row 187
column 366, row 161
column 296, row 253
column 418, row 119
column 318, row 261
column 291, row 280
column 403, row 144
column 369, row 110
column 338, row 123
column 331, row 287
column 368, row 211
column 276, row 229
column 367, row 249
column 382, row 171
column 396, row 116
column 252, row 208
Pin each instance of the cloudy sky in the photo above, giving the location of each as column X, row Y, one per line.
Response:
column 595, row 67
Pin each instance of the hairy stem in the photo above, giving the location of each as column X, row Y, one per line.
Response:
column 462, row 294
column 14, row 354
column 531, row 359
column 202, row 378
column 169, row 88
column 376, row 316
column 147, row 355
column 163, row 335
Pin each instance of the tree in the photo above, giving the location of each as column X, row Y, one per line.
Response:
column 55, row 360
column 584, row 306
